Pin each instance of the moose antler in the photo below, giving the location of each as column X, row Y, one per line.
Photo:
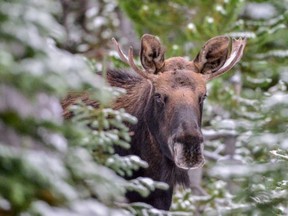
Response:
column 130, row 59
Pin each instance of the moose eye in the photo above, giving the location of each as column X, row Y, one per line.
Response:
column 202, row 98
column 159, row 98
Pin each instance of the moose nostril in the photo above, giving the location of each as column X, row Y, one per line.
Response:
column 197, row 139
column 201, row 139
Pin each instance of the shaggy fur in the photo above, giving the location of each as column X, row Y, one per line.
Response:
column 138, row 102
column 167, row 99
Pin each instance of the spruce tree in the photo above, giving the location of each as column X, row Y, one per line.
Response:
column 49, row 166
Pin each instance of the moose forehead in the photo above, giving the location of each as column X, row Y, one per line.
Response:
column 179, row 73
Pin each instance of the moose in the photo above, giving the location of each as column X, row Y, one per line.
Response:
column 167, row 98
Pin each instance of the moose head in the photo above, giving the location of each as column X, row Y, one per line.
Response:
column 176, row 93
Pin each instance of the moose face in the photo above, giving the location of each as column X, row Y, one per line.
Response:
column 175, row 123
column 177, row 93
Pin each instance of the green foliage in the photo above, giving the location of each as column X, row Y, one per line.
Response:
column 183, row 25
column 52, row 167
column 48, row 166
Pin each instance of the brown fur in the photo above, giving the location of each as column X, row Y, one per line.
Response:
column 168, row 104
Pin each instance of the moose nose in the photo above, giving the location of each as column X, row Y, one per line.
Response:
column 189, row 134
column 189, row 138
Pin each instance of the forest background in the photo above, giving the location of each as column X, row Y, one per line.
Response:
column 53, row 167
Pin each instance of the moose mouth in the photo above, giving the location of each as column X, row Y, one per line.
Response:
column 188, row 156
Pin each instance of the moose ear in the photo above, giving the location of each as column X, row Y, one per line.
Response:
column 151, row 53
column 219, row 55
